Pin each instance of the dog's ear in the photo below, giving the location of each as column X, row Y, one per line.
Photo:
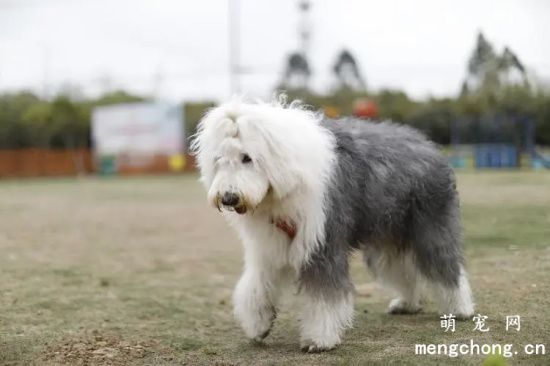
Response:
column 284, row 182
column 276, row 163
column 282, row 173
column 267, row 141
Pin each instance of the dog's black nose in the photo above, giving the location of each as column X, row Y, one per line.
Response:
column 230, row 199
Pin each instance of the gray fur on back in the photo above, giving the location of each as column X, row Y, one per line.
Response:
column 391, row 191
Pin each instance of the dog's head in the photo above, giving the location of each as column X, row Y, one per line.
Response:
column 247, row 151
column 231, row 163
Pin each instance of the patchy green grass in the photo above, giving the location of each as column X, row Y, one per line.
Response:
column 140, row 271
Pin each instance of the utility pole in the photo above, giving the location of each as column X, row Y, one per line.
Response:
column 234, row 46
column 304, row 37
column 158, row 78
column 304, row 27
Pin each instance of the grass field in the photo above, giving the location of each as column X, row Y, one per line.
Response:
column 140, row 271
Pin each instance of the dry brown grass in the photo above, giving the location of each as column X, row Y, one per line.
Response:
column 140, row 271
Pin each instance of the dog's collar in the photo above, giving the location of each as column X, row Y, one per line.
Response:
column 288, row 226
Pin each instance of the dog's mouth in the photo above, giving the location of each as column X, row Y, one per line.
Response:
column 240, row 208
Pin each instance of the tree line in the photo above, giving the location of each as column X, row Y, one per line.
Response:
column 494, row 83
column 27, row 121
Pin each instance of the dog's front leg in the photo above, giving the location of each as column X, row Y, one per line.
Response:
column 327, row 301
column 253, row 302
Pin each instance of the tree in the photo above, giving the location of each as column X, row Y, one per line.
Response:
column 434, row 118
column 38, row 118
column 483, row 71
column 68, row 130
column 395, row 105
column 118, row 96
column 347, row 73
column 509, row 60
column 488, row 73
column 13, row 134
column 483, row 58
column 297, row 73
column 511, row 69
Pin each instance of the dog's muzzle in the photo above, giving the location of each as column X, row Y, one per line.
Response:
column 233, row 202
column 230, row 199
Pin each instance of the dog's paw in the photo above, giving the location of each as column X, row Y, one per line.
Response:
column 313, row 348
column 464, row 312
column 261, row 328
column 400, row 306
column 259, row 339
column 310, row 346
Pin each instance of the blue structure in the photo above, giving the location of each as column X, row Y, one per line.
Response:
column 498, row 140
column 496, row 156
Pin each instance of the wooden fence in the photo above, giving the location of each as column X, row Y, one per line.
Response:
column 44, row 162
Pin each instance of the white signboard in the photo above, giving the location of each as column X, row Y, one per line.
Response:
column 139, row 129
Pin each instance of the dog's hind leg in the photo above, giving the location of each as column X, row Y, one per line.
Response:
column 455, row 299
column 399, row 274
column 438, row 252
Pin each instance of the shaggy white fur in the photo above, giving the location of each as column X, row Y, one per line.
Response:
column 294, row 194
column 301, row 194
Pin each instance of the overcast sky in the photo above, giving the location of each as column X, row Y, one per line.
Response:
column 178, row 49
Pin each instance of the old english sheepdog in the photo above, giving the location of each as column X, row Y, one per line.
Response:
column 304, row 191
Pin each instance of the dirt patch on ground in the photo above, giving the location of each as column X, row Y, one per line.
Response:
column 99, row 349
